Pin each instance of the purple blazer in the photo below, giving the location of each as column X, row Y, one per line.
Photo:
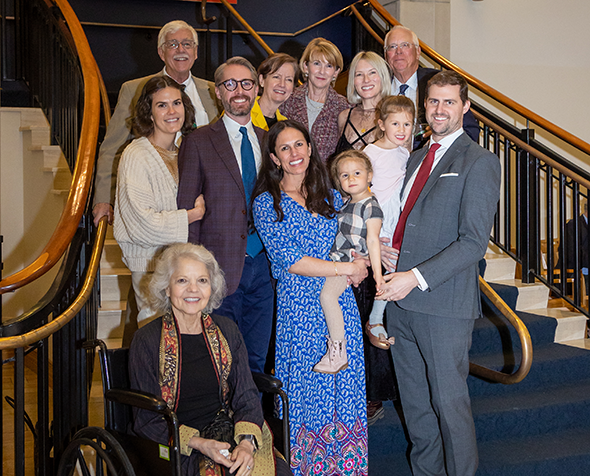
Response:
column 325, row 128
column 207, row 165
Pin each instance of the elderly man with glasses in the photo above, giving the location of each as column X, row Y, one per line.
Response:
column 221, row 161
column 177, row 47
column 402, row 53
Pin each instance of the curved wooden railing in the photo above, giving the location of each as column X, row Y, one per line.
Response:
column 82, row 175
column 526, row 359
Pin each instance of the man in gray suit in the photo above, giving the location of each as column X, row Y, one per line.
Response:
column 177, row 47
column 449, row 199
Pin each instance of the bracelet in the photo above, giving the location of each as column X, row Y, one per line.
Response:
column 251, row 439
column 335, row 268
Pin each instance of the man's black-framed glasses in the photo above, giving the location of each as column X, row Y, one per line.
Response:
column 232, row 84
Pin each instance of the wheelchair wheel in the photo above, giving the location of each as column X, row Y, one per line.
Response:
column 94, row 451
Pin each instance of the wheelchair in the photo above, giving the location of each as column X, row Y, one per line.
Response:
column 114, row 450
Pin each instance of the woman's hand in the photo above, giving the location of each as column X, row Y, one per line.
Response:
column 211, row 449
column 358, row 271
column 243, row 459
column 197, row 213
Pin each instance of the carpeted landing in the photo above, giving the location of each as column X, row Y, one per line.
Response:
column 538, row 427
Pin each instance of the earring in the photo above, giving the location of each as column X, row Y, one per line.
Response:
column 278, row 166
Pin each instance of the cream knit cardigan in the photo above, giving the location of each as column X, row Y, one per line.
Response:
column 146, row 216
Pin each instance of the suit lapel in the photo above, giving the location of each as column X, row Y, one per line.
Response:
column 222, row 145
column 414, row 162
column 452, row 154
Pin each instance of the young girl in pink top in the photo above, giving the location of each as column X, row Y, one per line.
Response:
column 389, row 156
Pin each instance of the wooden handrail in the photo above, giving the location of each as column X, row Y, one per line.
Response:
column 251, row 30
column 82, row 176
column 493, row 93
column 23, row 340
column 531, row 150
column 526, row 359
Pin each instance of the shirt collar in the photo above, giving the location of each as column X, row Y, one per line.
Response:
column 412, row 82
column 233, row 128
column 447, row 141
column 188, row 81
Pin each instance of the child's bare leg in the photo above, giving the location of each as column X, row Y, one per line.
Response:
column 333, row 288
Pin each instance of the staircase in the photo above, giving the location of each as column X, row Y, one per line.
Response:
column 115, row 281
column 540, row 426
column 34, row 184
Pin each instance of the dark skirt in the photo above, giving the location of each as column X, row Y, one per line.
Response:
column 379, row 372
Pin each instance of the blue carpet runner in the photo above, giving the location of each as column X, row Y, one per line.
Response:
column 538, row 427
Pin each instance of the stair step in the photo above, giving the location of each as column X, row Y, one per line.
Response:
column 553, row 365
column 111, row 256
column 538, row 411
column 499, row 267
column 565, row 453
column 40, row 135
column 115, row 285
column 110, row 324
column 52, row 155
column 570, row 325
column 62, row 178
column 530, row 296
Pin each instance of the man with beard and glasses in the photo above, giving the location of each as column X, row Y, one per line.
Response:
column 177, row 47
column 221, row 161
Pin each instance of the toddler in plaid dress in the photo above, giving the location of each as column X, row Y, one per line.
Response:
column 359, row 224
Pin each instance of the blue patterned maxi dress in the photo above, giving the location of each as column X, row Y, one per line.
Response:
column 327, row 412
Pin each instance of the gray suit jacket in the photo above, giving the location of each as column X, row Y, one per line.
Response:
column 119, row 135
column 448, row 229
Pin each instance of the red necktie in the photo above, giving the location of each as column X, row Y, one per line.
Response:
column 421, row 178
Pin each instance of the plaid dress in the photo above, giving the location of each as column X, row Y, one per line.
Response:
column 352, row 228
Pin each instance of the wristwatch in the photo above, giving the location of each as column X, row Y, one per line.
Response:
column 251, row 439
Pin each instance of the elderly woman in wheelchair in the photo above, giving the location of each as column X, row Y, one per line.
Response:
column 198, row 363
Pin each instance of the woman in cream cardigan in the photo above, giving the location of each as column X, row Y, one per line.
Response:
column 146, row 215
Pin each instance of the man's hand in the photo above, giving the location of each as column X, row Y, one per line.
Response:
column 398, row 286
column 389, row 255
column 103, row 209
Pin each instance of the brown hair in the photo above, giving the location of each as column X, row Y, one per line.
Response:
column 240, row 61
column 274, row 62
column 393, row 105
column 352, row 155
column 316, row 185
column 449, row 78
column 143, row 125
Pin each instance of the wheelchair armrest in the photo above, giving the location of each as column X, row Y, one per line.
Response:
column 137, row 398
column 267, row 383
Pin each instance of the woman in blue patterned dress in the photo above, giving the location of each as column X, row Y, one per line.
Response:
column 295, row 215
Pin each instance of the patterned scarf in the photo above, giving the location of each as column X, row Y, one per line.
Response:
column 170, row 367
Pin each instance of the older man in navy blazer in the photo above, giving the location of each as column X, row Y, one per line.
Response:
column 443, row 231
column 220, row 161
column 402, row 53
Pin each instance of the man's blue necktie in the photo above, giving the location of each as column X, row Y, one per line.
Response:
column 254, row 245
column 402, row 89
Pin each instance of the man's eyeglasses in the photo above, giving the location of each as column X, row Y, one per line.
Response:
column 232, row 84
column 174, row 44
column 402, row 46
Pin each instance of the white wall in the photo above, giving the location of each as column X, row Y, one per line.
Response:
column 536, row 52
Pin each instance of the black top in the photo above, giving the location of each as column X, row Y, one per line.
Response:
column 198, row 401
column 271, row 121
column 343, row 143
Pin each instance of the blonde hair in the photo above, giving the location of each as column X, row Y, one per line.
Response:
column 352, row 155
column 321, row 47
column 382, row 70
